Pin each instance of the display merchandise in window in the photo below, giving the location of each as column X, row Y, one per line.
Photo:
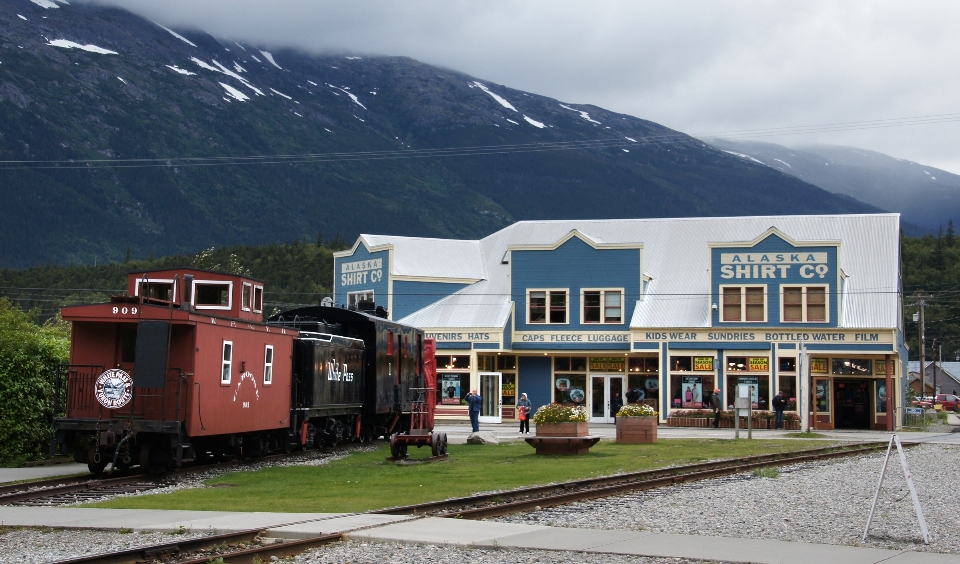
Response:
column 452, row 388
column 455, row 362
column 570, row 389
column 759, row 389
column 852, row 366
column 690, row 391
column 789, row 386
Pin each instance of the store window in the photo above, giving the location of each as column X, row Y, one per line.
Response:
column 643, row 381
column 547, row 306
column 753, row 371
column 694, row 389
column 852, row 366
column 787, row 364
column 602, row 306
column 506, row 365
column 821, row 399
column 453, row 378
column 744, row 303
column 787, row 380
column 570, row 380
column 804, row 304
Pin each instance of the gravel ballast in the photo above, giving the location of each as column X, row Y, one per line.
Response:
column 397, row 553
column 37, row 545
column 817, row 502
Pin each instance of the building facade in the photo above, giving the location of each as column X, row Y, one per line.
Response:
column 661, row 311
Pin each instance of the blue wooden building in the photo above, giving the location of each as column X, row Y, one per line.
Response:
column 661, row 311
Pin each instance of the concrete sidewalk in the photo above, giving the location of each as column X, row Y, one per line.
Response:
column 40, row 472
column 484, row 534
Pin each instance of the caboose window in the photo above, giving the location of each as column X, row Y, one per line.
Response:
column 212, row 295
column 246, row 296
column 257, row 299
column 156, row 290
column 227, row 362
column 268, row 365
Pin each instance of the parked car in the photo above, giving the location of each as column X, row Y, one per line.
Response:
column 949, row 402
column 923, row 401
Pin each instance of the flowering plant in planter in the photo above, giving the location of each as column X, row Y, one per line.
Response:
column 791, row 416
column 560, row 413
column 694, row 413
column 635, row 410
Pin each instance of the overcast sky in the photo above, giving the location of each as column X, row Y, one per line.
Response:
column 698, row 67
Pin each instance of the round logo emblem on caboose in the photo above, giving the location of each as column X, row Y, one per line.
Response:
column 114, row 388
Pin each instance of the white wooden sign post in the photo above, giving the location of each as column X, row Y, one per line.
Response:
column 913, row 491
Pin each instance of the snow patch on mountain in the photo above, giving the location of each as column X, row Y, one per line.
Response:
column 64, row 44
column 743, row 156
column 630, row 139
column 21, row 17
column 254, row 57
column 204, row 65
column 582, row 113
column 270, row 58
column 238, row 68
column 313, row 83
column 511, row 121
column 234, row 93
column 496, row 97
column 533, row 122
column 46, row 4
column 175, row 68
column 352, row 97
column 121, row 80
column 353, row 58
column 280, row 94
column 177, row 35
column 784, row 162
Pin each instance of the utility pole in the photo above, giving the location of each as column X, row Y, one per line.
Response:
column 923, row 369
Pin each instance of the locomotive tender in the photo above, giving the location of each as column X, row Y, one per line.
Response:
column 183, row 367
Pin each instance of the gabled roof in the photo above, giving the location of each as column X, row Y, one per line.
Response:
column 676, row 255
column 422, row 257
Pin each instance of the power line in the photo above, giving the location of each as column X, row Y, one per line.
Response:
column 607, row 142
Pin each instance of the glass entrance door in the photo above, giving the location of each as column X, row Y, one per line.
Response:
column 491, row 384
column 606, row 397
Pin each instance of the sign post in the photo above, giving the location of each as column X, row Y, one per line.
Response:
column 743, row 402
column 803, row 393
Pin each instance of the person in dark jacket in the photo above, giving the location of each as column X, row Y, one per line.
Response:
column 524, row 407
column 474, row 401
column 717, row 407
column 779, row 404
column 615, row 404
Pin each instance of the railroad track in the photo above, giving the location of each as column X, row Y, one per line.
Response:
column 77, row 489
column 241, row 548
column 496, row 504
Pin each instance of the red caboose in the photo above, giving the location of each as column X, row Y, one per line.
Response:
column 180, row 366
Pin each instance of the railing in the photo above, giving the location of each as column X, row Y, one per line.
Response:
column 915, row 417
column 76, row 391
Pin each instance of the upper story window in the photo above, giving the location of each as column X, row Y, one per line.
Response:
column 246, row 297
column 212, row 295
column 257, row 299
column 547, row 306
column 744, row 303
column 602, row 306
column 156, row 289
column 804, row 304
column 354, row 298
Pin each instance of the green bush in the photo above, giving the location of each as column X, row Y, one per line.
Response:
column 29, row 355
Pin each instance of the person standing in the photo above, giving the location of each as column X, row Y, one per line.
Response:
column 474, row 401
column 524, row 407
column 779, row 404
column 615, row 404
column 717, row 407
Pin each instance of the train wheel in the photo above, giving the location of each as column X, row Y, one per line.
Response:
column 435, row 443
column 443, row 443
column 394, row 446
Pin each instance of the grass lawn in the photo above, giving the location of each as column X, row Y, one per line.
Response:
column 364, row 481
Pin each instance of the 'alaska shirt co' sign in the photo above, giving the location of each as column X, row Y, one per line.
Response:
column 774, row 262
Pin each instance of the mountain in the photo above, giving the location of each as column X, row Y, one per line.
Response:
column 927, row 197
column 122, row 136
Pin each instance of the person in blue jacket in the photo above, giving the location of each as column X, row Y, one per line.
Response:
column 474, row 401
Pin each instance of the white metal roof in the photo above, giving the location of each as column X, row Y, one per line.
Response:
column 432, row 258
column 676, row 255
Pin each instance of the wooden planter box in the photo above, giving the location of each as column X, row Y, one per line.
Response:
column 682, row 421
column 570, row 429
column 636, row 430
